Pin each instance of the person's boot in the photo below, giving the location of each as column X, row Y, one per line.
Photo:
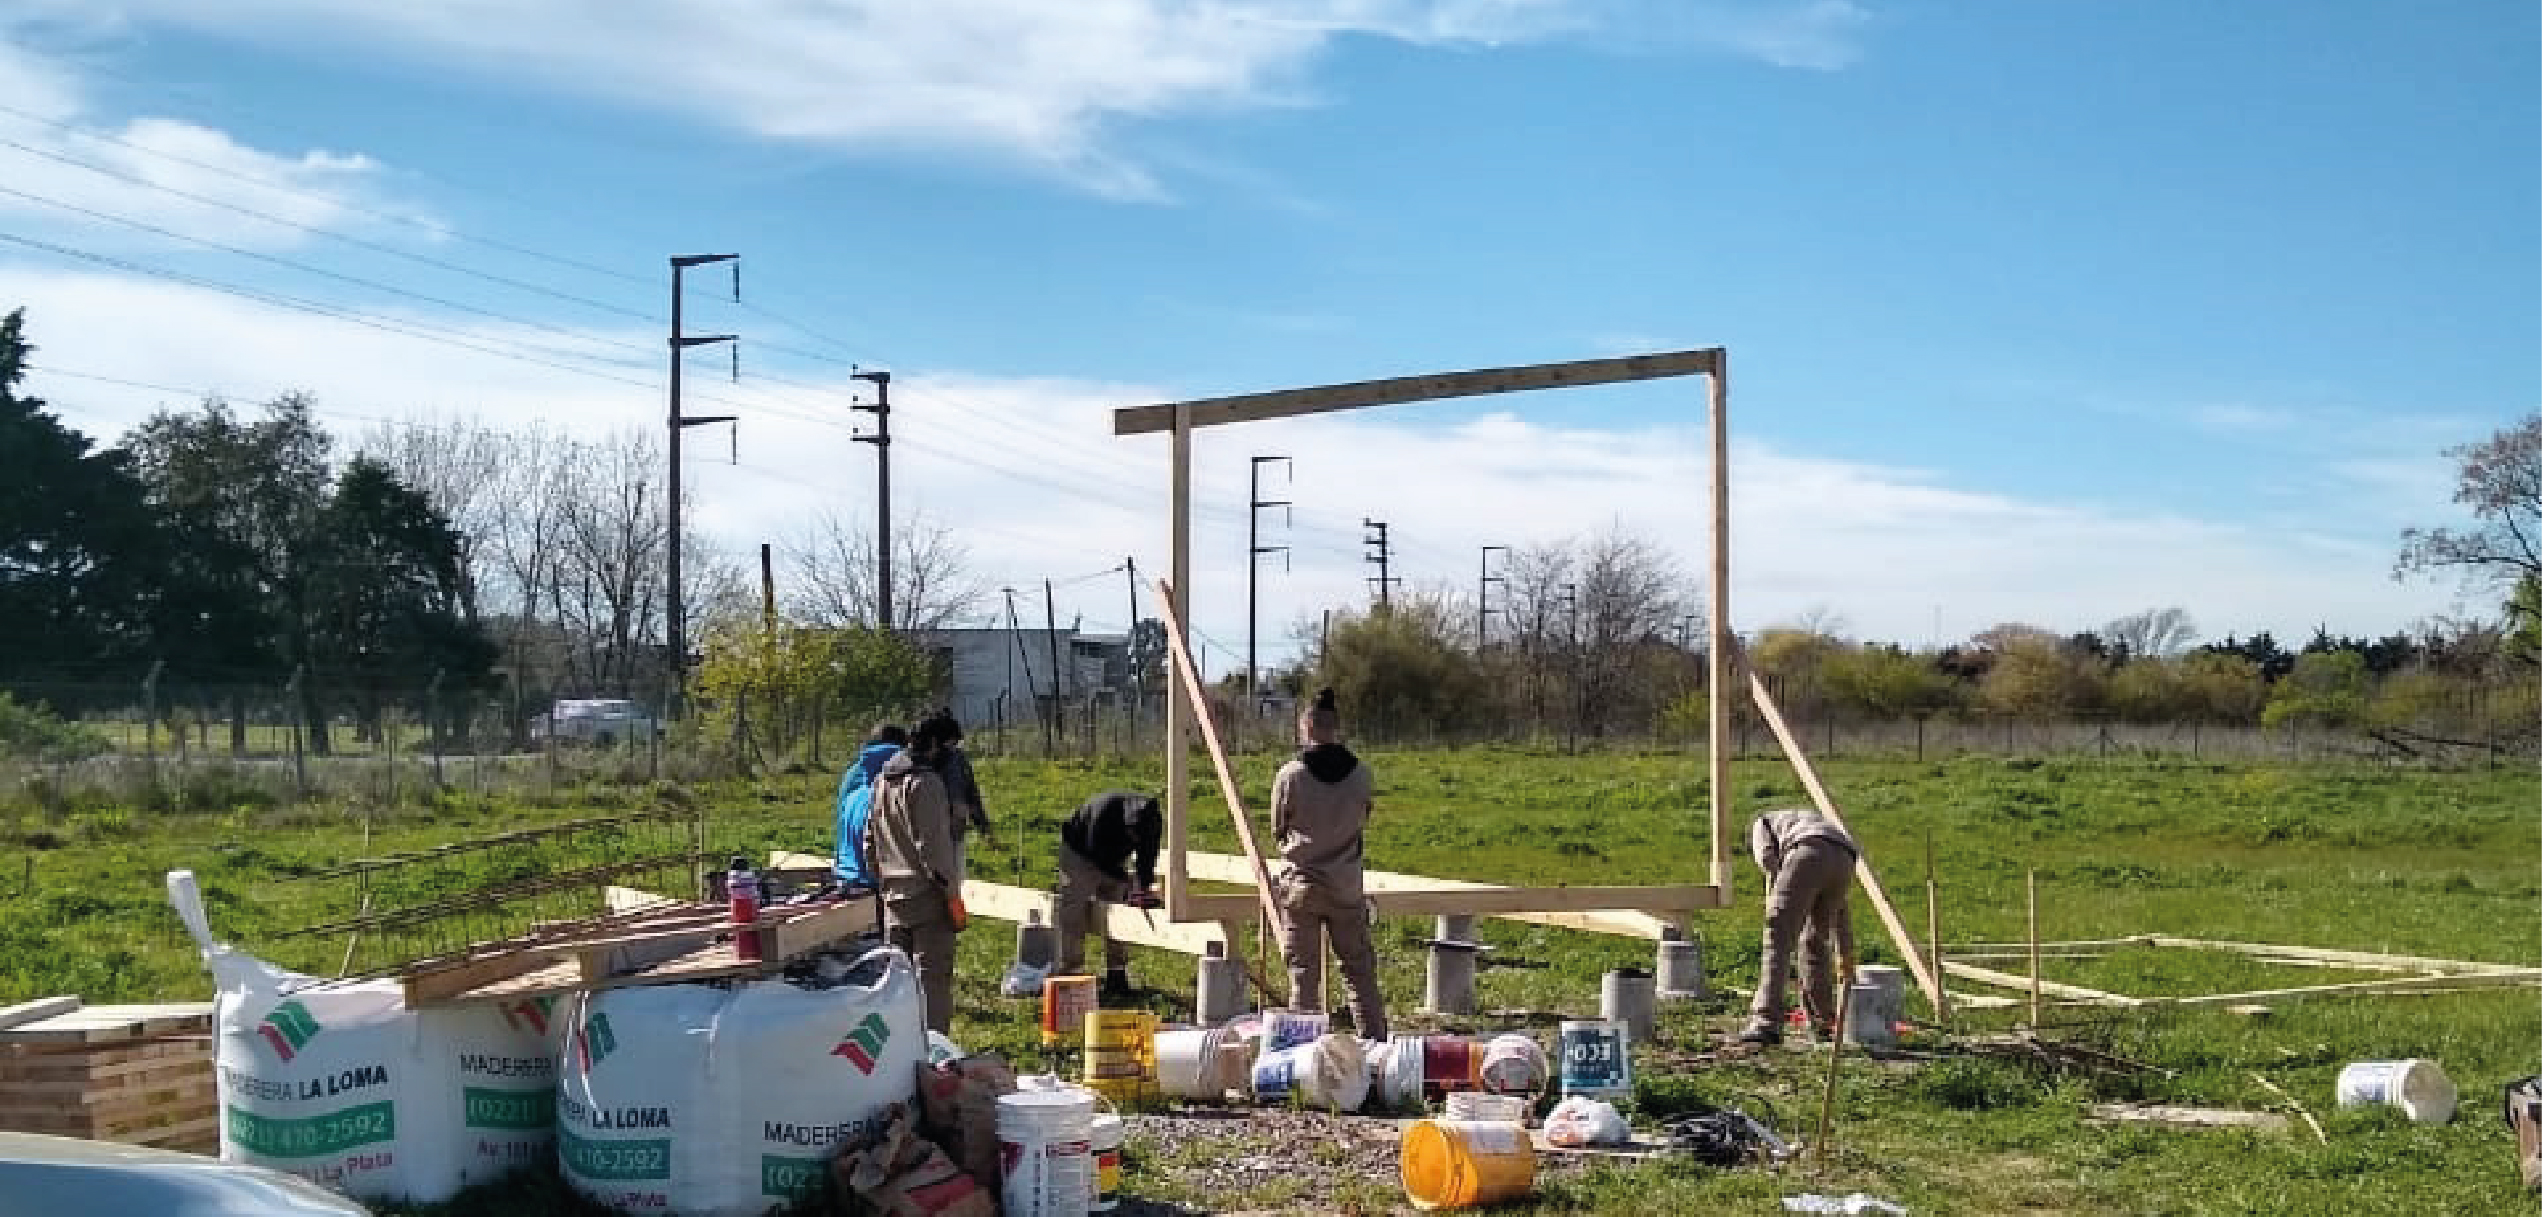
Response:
column 1761, row 1030
column 1117, row 988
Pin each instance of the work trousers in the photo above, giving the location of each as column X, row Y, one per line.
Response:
column 918, row 921
column 1083, row 891
column 1807, row 907
column 1317, row 914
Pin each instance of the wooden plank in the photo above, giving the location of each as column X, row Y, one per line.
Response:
column 825, row 924
column 103, row 1024
column 2187, row 1117
column 2361, row 959
column 1393, row 391
column 1178, row 730
column 41, row 1008
column 1187, row 677
column 1227, row 868
column 2009, row 980
column 1120, row 922
column 1898, row 936
column 1718, row 638
column 2462, row 981
column 434, row 987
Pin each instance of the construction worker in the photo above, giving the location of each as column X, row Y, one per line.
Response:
column 1107, row 854
column 856, row 804
column 970, row 813
column 911, row 850
column 1808, row 862
column 1319, row 811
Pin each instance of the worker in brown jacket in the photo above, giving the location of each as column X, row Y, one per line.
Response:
column 917, row 864
column 1808, row 862
column 1319, row 810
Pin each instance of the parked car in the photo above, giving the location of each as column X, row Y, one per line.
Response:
column 602, row 720
column 43, row 1176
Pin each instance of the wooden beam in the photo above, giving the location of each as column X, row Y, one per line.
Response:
column 1388, row 890
column 1717, row 633
column 1120, row 922
column 2362, row 960
column 1178, row 739
column 1322, row 399
column 1898, row 935
column 1188, row 677
column 41, row 1008
column 2009, row 980
column 2188, row 1117
column 2465, row 981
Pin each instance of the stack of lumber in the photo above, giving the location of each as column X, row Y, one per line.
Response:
column 136, row 1074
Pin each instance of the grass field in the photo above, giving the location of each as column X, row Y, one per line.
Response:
column 2442, row 863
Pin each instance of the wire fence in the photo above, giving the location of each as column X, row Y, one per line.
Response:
column 219, row 747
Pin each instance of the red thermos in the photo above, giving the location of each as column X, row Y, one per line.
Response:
column 742, row 886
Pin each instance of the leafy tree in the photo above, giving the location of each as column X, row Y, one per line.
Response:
column 1884, row 681
column 388, row 592
column 2037, row 674
column 771, row 686
column 2221, row 688
column 2500, row 480
column 2272, row 660
column 1401, row 672
column 76, row 537
column 2153, row 633
column 2326, row 688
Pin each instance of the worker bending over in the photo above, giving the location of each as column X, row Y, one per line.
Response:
column 1107, row 854
column 911, row 848
column 1319, row 812
column 1808, row 862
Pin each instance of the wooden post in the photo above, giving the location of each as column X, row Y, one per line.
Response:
column 1718, row 630
column 1933, row 929
column 1177, row 606
column 2033, row 886
column 1189, row 678
column 1835, row 1057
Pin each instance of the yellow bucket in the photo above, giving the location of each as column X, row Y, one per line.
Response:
column 1121, row 1053
column 1456, row 1164
column 1065, row 1000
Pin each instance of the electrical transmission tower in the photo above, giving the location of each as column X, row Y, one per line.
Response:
column 880, row 408
column 681, row 341
column 1253, row 566
column 1381, row 556
column 1483, row 609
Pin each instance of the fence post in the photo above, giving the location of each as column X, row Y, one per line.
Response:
column 432, row 723
column 150, row 723
column 299, row 727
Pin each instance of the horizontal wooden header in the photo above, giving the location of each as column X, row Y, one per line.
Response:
column 1286, row 403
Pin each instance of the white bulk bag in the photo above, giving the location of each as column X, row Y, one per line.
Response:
column 341, row 1084
column 707, row 1102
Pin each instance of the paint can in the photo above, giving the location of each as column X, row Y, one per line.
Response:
column 1188, row 1063
column 2418, row 1087
column 1065, row 1000
column 1121, row 1054
column 1046, row 1151
column 1514, row 1064
column 1105, row 1142
column 1473, row 1106
column 1285, row 1029
column 1597, row 1058
column 1331, row 1072
column 1448, row 1164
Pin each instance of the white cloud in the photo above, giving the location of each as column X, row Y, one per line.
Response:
column 1030, row 473
column 144, row 169
column 1039, row 82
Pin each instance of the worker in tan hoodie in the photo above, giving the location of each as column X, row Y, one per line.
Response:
column 916, row 862
column 1319, row 810
column 1808, row 862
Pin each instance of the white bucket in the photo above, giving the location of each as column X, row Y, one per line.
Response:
column 2418, row 1087
column 1187, row 1063
column 1513, row 1064
column 1105, row 1142
column 1330, row 1072
column 1284, row 1029
column 1398, row 1074
column 1045, row 1139
column 1474, row 1105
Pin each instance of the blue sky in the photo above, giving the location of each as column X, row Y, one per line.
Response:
column 2047, row 310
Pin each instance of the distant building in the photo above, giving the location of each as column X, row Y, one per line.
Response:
column 996, row 676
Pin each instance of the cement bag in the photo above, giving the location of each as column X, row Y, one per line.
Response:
column 341, row 1084
column 708, row 1102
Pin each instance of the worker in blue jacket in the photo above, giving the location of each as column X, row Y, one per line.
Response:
column 856, row 802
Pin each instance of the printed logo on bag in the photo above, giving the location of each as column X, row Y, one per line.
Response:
column 593, row 1041
column 288, row 1029
column 529, row 1014
column 864, row 1046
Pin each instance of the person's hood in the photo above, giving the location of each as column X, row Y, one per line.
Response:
column 902, row 764
column 874, row 756
column 1329, row 763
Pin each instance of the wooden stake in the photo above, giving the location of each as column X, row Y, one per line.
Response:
column 1189, row 679
column 1933, row 930
column 2034, row 948
column 2290, row 1102
column 1835, row 1056
column 1862, row 862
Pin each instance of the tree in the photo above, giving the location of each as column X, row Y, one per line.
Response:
column 388, row 594
column 1886, row 682
column 836, row 581
column 2500, row 480
column 2151, row 634
column 1401, row 672
column 76, row 537
column 2326, row 688
column 2037, row 674
column 1632, row 599
column 780, row 683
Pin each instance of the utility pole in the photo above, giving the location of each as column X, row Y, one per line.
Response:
column 767, row 590
column 1015, row 631
column 881, row 440
column 1381, row 552
column 1050, row 627
column 1483, row 609
column 1254, row 549
column 681, row 341
column 1580, row 692
column 1138, row 679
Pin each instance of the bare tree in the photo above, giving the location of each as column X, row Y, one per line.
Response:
column 2500, row 480
column 835, row 583
column 1632, row 598
column 2152, row 634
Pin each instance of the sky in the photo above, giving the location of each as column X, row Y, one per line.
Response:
column 2045, row 311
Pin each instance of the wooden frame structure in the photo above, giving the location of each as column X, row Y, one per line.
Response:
column 1181, row 418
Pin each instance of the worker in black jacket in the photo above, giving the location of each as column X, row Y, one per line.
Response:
column 1107, row 854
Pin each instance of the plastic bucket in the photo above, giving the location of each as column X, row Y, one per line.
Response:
column 1331, row 1072
column 1282, row 1029
column 2418, row 1087
column 1448, row 1164
column 1104, row 1140
column 1450, row 1062
column 1120, row 1053
column 1397, row 1080
column 1187, row 1065
column 1065, row 1000
column 1474, row 1106
column 1514, row 1064
column 1596, row 1060
column 1046, row 1152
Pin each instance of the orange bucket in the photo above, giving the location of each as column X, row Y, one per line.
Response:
column 1457, row 1164
column 1065, row 1003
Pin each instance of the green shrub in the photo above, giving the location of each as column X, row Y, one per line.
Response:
column 34, row 733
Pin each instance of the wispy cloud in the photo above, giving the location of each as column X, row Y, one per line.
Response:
column 1036, row 82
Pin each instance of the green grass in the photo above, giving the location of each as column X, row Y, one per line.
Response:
column 2358, row 857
